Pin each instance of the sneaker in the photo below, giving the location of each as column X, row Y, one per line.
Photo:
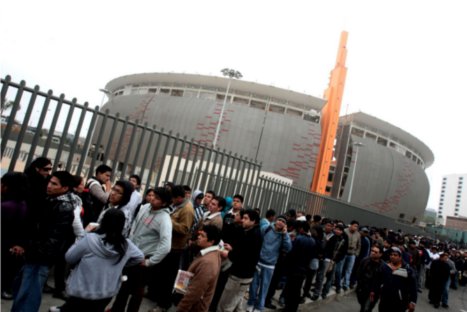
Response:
column 60, row 295
column 445, row 305
column 338, row 291
column 250, row 308
column 270, row 306
column 47, row 289
column 6, row 295
column 302, row 300
column 315, row 297
column 345, row 288
column 54, row 309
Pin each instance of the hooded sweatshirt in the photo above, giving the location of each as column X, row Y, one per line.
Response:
column 96, row 274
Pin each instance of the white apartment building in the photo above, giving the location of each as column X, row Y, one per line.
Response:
column 453, row 198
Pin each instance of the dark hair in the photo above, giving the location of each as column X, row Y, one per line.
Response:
column 169, row 185
column 379, row 246
column 316, row 218
column 239, row 197
column 211, row 192
column 127, row 190
column 292, row 213
column 111, row 227
column 66, row 179
column 187, row 188
column 354, row 222
column 17, row 186
column 103, row 169
column 40, row 162
column 164, row 194
column 137, row 178
column 253, row 215
column 221, row 201
column 270, row 213
column 213, row 233
column 78, row 179
column 303, row 225
column 178, row 191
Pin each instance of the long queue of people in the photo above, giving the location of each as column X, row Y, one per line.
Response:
column 197, row 251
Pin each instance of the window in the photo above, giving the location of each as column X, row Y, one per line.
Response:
column 258, row 104
column 276, row 109
column 357, row 132
column 382, row 141
column 392, row 144
column 294, row 112
column 370, row 136
column 240, row 100
column 165, row 91
column 408, row 154
column 176, row 92
column 152, row 90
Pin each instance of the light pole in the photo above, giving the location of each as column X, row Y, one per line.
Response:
column 231, row 73
column 356, row 145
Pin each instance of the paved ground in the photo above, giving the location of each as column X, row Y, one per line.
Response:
column 48, row 301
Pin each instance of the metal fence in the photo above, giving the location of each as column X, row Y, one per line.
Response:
column 77, row 138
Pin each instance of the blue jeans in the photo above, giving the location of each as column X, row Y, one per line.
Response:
column 338, row 274
column 445, row 295
column 27, row 293
column 259, row 287
column 349, row 261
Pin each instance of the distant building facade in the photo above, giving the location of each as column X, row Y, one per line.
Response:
column 380, row 167
column 453, row 198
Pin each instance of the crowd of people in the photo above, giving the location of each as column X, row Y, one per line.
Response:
column 109, row 247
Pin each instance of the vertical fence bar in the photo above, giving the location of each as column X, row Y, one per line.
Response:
column 172, row 156
column 146, row 154
column 11, row 118
column 198, row 170
column 187, row 159
column 231, row 175
column 76, row 137
column 39, row 127
column 218, row 175
column 247, row 189
column 53, row 125
column 6, row 83
column 138, row 147
column 116, row 161
column 192, row 174
column 111, row 137
column 154, row 157
column 224, row 179
column 63, row 139
column 97, row 145
column 237, row 174
column 24, row 127
column 204, row 173
column 212, row 172
column 129, row 149
column 180, row 156
column 87, row 142
column 164, row 153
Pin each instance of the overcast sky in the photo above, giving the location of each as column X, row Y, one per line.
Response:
column 407, row 60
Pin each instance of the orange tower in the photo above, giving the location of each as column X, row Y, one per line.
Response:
column 330, row 118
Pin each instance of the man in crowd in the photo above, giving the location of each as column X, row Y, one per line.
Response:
column 369, row 279
column 276, row 240
column 399, row 288
column 99, row 187
column 205, row 269
column 152, row 234
column 353, row 251
column 54, row 235
column 440, row 274
column 182, row 220
column 244, row 257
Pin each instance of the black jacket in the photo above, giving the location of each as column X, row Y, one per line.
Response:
column 336, row 247
column 55, row 232
column 245, row 254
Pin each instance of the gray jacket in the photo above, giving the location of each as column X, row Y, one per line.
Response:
column 96, row 275
column 152, row 233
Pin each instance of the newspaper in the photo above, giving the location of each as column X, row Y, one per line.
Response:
column 182, row 281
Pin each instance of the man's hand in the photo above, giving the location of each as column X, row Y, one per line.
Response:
column 411, row 307
column 372, row 296
column 17, row 250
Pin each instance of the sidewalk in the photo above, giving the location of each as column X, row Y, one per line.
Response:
column 48, row 301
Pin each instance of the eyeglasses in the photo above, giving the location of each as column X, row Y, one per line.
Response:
column 117, row 191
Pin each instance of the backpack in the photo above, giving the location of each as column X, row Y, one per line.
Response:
column 91, row 207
